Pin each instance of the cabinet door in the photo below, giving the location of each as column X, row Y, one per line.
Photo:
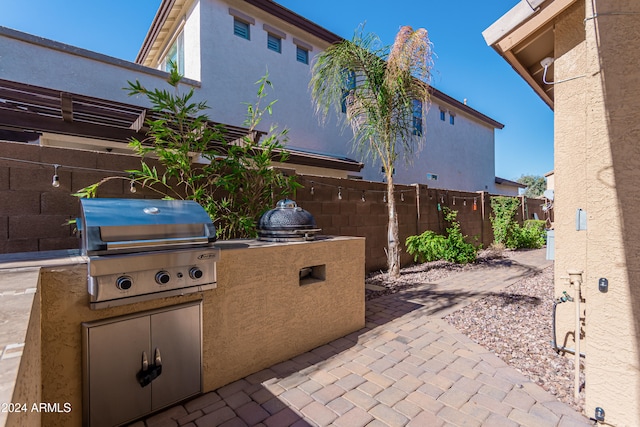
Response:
column 115, row 358
column 176, row 335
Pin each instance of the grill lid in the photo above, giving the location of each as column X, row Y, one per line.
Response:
column 287, row 222
column 125, row 225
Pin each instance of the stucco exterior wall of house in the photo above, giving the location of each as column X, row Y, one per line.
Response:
column 40, row 62
column 192, row 38
column 224, row 68
column 597, row 162
column 231, row 65
column 569, row 147
column 461, row 154
column 613, row 237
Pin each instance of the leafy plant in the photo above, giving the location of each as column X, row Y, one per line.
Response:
column 532, row 235
column 430, row 246
column 507, row 231
column 505, row 227
column 234, row 181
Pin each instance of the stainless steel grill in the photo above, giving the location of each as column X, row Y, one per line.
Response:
column 140, row 249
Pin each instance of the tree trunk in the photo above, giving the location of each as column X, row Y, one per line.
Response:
column 393, row 246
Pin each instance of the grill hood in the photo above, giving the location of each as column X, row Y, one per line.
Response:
column 128, row 225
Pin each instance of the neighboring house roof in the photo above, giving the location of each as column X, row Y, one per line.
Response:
column 509, row 183
column 524, row 36
column 39, row 109
column 548, row 174
column 168, row 13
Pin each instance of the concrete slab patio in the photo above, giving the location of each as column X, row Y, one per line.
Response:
column 407, row 367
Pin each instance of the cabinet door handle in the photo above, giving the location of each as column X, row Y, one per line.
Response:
column 149, row 372
column 157, row 358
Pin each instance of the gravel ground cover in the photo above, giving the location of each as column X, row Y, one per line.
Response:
column 515, row 324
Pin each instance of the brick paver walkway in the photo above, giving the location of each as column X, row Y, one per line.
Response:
column 407, row 367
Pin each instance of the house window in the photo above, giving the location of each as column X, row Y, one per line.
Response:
column 274, row 43
column 442, row 115
column 175, row 56
column 349, row 84
column 432, row 177
column 417, row 117
column 302, row 50
column 241, row 29
column 452, row 119
column 302, row 55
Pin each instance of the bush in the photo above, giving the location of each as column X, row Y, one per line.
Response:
column 505, row 227
column 430, row 246
column 506, row 230
column 532, row 235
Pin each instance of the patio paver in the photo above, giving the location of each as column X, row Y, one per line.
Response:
column 407, row 367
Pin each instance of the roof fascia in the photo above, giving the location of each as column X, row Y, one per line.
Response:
column 530, row 24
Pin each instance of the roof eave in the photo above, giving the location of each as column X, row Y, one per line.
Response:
column 518, row 30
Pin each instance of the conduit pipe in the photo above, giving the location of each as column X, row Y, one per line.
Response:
column 575, row 279
column 554, row 336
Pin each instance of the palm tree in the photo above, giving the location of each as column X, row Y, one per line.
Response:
column 383, row 91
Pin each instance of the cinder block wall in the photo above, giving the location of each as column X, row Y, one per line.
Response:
column 34, row 215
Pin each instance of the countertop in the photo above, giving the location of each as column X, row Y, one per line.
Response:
column 19, row 275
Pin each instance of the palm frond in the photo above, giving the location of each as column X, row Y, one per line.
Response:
column 379, row 99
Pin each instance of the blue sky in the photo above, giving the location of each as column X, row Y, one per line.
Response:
column 465, row 67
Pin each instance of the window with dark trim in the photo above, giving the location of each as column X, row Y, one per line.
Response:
column 241, row 29
column 452, row 119
column 274, row 43
column 349, row 85
column 302, row 55
column 417, row 117
column 442, row 115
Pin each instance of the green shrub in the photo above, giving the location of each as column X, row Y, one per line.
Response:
column 532, row 235
column 427, row 246
column 505, row 227
column 507, row 231
column 430, row 246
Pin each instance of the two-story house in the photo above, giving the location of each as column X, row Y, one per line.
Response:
column 226, row 45
column 223, row 47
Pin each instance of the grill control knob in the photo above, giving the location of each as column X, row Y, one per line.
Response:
column 124, row 283
column 195, row 273
column 162, row 277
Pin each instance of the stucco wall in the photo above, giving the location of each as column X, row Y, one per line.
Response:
column 462, row 154
column 597, row 160
column 41, row 62
column 613, row 237
column 570, row 149
column 258, row 315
